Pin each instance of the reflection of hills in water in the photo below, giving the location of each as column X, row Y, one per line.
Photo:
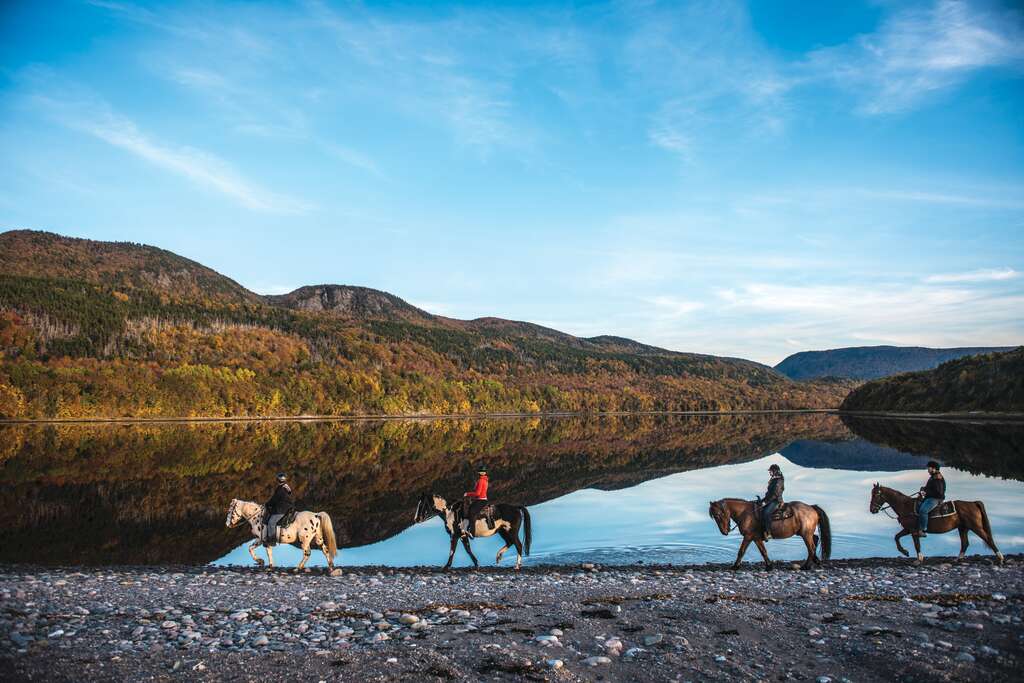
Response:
column 123, row 494
column 984, row 447
column 851, row 454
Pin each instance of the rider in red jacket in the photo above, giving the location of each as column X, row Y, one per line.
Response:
column 473, row 502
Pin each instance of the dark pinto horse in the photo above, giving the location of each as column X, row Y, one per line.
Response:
column 507, row 521
column 803, row 522
column 967, row 516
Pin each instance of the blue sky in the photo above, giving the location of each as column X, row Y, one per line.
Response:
column 748, row 180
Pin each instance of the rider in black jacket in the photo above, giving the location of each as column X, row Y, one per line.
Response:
column 933, row 493
column 279, row 505
column 772, row 498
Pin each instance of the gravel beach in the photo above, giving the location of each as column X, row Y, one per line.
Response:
column 856, row 620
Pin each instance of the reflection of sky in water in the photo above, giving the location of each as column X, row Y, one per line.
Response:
column 666, row 520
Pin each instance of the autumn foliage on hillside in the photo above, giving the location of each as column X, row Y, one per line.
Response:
column 991, row 382
column 128, row 331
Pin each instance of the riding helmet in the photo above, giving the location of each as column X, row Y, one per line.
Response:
column 481, row 469
column 775, row 468
column 932, row 463
column 281, row 477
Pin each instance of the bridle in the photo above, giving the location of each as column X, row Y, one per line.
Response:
column 718, row 508
column 885, row 507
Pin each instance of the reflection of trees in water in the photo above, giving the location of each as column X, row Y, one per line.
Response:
column 159, row 493
column 992, row 448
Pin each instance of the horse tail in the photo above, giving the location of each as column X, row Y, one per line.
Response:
column 527, row 532
column 328, row 530
column 991, row 542
column 826, row 533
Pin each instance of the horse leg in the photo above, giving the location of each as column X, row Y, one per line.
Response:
column 899, row 546
column 764, row 553
column 305, row 553
column 743, row 549
column 812, row 556
column 508, row 544
column 917, row 549
column 465, row 544
column 984, row 532
column 451, row 552
column 270, row 556
column 519, row 548
column 252, row 551
column 323, row 547
column 963, row 541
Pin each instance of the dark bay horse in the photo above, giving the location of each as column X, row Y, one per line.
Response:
column 507, row 520
column 803, row 522
column 967, row 516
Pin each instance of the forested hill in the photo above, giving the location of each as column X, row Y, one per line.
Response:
column 101, row 329
column 872, row 362
column 993, row 382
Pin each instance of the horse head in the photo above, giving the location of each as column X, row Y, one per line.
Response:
column 877, row 500
column 428, row 506
column 234, row 515
column 717, row 512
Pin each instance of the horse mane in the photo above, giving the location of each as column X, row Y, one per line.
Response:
column 892, row 490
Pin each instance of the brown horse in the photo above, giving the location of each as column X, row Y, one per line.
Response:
column 967, row 516
column 805, row 518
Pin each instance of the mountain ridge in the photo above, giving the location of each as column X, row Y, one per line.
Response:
column 873, row 362
column 124, row 330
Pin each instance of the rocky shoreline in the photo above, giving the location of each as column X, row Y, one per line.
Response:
column 857, row 620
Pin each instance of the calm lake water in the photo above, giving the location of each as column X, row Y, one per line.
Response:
column 606, row 489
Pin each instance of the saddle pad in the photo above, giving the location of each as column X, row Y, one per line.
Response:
column 945, row 510
column 784, row 512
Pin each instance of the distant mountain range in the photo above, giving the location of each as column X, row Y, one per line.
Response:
column 110, row 329
column 872, row 362
column 991, row 382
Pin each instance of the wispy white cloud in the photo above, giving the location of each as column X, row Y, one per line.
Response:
column 355, row 159
column 89, row 114
column 672, row 307
column 980, row 275
column 951, row 198
column 917, row 52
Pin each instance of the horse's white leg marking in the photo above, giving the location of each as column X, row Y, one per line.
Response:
column 519, row 560
column 270, row 556
column 252, row 551
column 306, row 539
column 1000, row 557
column 920, row 558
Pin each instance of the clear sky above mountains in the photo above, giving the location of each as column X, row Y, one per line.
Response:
column 747, row 180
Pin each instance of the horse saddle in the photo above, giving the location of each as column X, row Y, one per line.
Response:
column 784, row 511
column 288, row 518
column 947, row 509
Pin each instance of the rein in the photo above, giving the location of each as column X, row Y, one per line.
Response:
column 886, row 506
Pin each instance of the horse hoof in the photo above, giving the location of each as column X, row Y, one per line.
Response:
column 734, row 567
column 904, row 553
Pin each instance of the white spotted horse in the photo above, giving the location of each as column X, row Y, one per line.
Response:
column 507, row 521
column 307, row 530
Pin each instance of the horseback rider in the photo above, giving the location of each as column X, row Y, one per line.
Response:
column 932, row 495
column 473, row 502
column 279, row 505
column 772, row 499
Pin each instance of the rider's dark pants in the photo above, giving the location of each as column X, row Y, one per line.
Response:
column 471, row 508
column 923, row 508
column 766, row 514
